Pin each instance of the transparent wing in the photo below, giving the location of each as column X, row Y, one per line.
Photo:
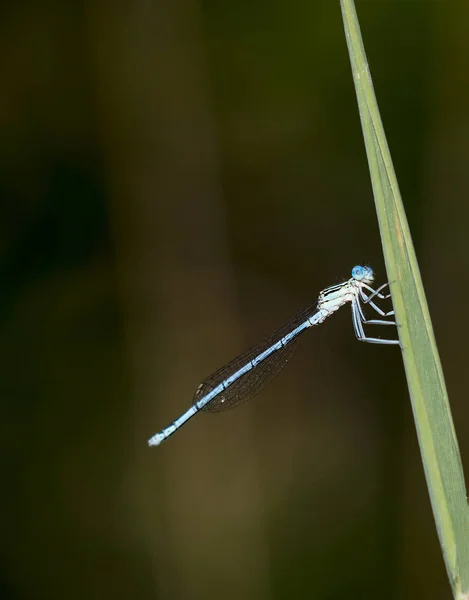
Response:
column 254, row 380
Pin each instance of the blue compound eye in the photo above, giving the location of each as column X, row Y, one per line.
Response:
column 358, row 272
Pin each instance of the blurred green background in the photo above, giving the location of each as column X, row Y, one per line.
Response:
column 176, row 178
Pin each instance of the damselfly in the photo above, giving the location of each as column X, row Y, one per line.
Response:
column 247, row 374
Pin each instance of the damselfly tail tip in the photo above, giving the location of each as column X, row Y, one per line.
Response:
column 156, row 440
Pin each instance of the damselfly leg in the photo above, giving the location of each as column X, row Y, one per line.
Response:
column 359, row 319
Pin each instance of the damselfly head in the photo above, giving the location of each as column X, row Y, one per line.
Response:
column 364, row 274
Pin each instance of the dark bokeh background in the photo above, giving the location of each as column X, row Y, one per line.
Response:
column 176, row 178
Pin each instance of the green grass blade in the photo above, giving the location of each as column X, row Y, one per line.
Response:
column 437, row 438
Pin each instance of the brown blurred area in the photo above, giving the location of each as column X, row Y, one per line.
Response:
column 176, row 178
